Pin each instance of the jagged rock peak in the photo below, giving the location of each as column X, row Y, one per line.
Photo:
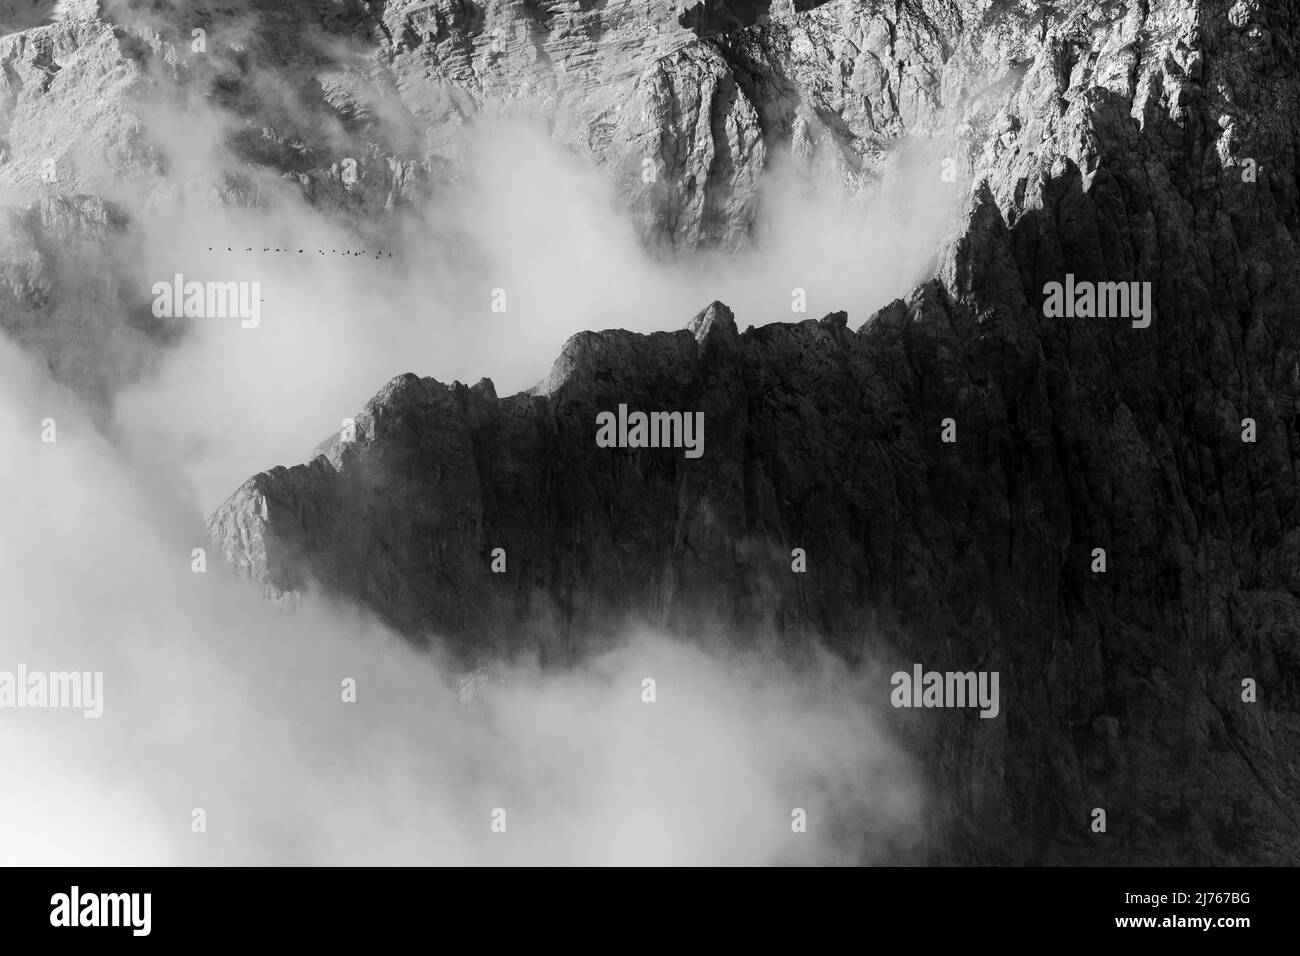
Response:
column 485, row 388
column 713, row 321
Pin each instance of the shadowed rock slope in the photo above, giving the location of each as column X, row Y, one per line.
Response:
column 1153, row 143
column 1118, row 689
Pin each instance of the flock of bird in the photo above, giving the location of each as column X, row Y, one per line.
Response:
column 379, row 253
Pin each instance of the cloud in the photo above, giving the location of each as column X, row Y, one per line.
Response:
column 216, row 700
column 529, row 219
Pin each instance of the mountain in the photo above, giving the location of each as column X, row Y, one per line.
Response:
column 1098, row 142
column 1133, row 144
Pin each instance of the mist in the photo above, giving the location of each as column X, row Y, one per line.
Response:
column 532, row 221
column 216, row 699
column 528, row 226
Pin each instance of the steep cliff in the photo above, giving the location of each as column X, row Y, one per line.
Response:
column 1142, row 143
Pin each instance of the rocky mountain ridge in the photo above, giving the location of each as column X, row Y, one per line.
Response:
column 1106, row 141
column 1147, row 143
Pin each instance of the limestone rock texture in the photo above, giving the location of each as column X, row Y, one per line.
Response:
column 1147, row 141
column 1119, row 143
column 681, row 118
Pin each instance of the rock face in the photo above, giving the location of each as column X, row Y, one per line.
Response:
column 362, row 108
column 1148, row 143
column 717, row 16
column 60, row 259
column 1110, row 142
